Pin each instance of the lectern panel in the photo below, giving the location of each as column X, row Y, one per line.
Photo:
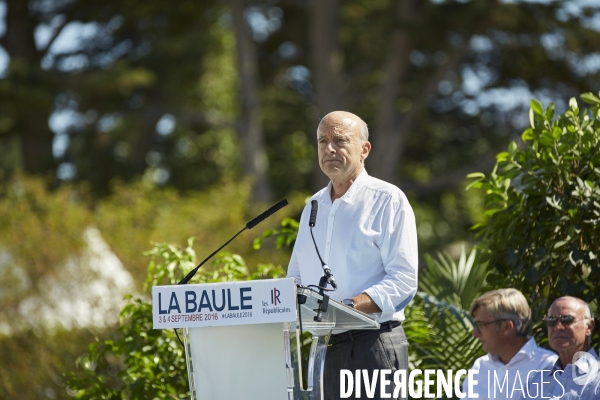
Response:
column 239, row 362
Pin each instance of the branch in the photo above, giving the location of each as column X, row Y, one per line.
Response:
column 57, row 32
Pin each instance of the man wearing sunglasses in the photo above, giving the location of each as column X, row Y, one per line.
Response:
column 570, row 323
column 502, row 323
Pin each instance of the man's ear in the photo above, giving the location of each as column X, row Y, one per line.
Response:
column 366, row 149
column 590, row 326
column 510, row 326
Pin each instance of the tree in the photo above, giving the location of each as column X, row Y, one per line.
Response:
column 440, row 84
column 327, row 66
column 135, row 94
column 30, row 91
column 249, row 126
column 542, row 203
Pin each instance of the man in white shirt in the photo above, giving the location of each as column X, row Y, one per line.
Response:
column 575, row 375
column 365, row 230
column 502, row 324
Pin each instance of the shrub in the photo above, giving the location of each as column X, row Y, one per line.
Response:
column 542, row 231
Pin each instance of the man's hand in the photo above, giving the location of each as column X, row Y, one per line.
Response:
column 363, row 302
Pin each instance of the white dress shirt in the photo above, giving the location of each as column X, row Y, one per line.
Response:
column 368, row 238
column 531, row 357
column 559, row 382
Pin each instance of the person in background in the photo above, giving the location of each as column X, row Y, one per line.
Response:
column 574, row 375
column 502, row 320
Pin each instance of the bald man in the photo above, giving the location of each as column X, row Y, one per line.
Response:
column 570, row 323
column 365, row 230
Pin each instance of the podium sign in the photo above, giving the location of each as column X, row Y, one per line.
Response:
column 224, row 304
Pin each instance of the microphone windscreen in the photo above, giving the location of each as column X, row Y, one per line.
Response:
column 267, row 214
column 314, row 205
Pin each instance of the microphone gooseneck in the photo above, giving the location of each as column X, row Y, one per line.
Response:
column 251, row 224
column 314, row 205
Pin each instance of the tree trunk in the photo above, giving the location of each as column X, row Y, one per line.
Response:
column 148, row 118
column 327, row 63
column 388, row 136
column 393, row 127
column 249, row 127
column 28, row 79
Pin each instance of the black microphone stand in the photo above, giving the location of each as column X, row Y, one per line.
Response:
column 324, row 302
column 326, row 278
column 249, row 225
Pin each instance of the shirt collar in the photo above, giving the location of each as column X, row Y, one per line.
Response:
column 350, row 194
column 527, row 351
column 558, row 365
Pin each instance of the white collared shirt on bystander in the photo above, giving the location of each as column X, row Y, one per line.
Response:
column 499, row 381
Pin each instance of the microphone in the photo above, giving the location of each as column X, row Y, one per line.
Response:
column 251, row 224
column 314, row 205
column 267, row 214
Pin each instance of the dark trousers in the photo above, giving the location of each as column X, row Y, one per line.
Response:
column 383, row 349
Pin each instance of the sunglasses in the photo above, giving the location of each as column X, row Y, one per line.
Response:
column 565, row 320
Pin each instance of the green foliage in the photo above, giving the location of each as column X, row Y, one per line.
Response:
column 136, row 215
column 39, row 230
column 44, row 249
column 438, row 320
column 456, row 283
column 446, row 218
column 33, row 361
column 138, row 362
column 283, row 237
column 543, row 207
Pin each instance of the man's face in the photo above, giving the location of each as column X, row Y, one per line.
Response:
column 568, row 338
column 488, row 332
column 341, row 151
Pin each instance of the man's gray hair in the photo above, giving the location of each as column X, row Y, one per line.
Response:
column 363, row 131
column 588, row 314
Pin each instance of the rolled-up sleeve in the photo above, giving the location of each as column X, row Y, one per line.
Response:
column 293, row 270
column 399, row 254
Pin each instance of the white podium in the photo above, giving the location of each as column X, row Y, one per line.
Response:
column 243, row 339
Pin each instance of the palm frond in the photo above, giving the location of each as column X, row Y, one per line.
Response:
column 456, row 283
column 438, row 324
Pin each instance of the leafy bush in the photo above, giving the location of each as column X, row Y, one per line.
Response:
column 542, row 231
column 44, row 248
column 39, row 230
